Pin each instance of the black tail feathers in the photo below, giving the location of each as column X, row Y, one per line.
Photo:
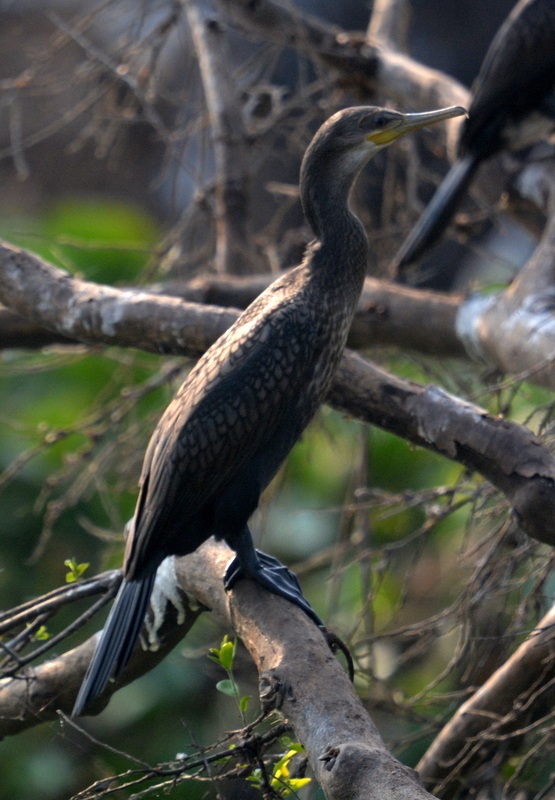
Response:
column 117, row 640
column 438, row 212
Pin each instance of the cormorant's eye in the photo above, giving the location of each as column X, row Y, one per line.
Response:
column 380, row 121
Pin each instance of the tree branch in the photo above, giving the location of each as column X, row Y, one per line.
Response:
column 507, row 454
column 510, row 700
column 71, row 309
column 95, row 314
column 300, row 678
column 515, row 330
column 36, row 693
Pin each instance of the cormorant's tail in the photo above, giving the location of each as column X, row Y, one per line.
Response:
column 117, row 640
column 438, row 212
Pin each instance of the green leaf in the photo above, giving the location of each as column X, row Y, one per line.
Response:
column 42, row 633
column 227, row 654
column 243, row 703
column 75, row 570
column 227, row 687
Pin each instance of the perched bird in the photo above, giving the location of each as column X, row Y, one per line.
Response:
column 249, row 398
column 513, row 106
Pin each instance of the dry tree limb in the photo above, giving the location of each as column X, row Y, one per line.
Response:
column 387, row 315
column 508, row 702
column 231, row 147
column 507, row 454
column 299, row 677
column 514, row 330
column 97, row 314
column 36, row 693
column 67, row 309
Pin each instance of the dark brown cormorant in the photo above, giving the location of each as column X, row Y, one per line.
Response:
column 249, row 398
column 513, row 106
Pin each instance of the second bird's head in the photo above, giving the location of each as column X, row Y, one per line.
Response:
column 350, row 138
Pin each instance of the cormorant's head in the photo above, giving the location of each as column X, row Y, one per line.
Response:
column 354, row 135
column 350, row 138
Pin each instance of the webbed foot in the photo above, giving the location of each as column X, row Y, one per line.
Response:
column 274, row 576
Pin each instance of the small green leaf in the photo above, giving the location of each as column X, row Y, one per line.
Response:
column 75, row 570
column 243, row 703
column 42, row 633
column 227, row 687
column 227, row 654
column 295, row 747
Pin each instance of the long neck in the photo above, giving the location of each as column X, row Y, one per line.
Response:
column 341, row 255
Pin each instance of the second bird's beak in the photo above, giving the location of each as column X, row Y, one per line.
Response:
column 412, row 122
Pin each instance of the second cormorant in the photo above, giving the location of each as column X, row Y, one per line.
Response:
column 513, row 106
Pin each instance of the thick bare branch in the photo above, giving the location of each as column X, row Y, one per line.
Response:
column 507, row 454
column 386, row 315
column 37, row 692
column 96, row 314
column 299, row 677
column 515, row 330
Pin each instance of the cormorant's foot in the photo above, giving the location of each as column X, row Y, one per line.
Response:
column 274, row 576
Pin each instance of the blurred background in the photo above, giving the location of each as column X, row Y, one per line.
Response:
column 113, row 185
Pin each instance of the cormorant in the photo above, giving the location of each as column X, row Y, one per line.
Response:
column 249, row 398
column 512, row 107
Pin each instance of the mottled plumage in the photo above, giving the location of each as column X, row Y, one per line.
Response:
column 247, row 401
column 513, row 106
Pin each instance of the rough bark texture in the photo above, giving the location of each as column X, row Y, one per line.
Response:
column 301, row 678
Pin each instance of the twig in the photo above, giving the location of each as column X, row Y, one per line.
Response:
column 59, row 637
column 54, row 600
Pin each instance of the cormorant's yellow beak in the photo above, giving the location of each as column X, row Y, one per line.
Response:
column 412, row 122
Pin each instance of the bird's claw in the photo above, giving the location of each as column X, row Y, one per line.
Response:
column 274, row 576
